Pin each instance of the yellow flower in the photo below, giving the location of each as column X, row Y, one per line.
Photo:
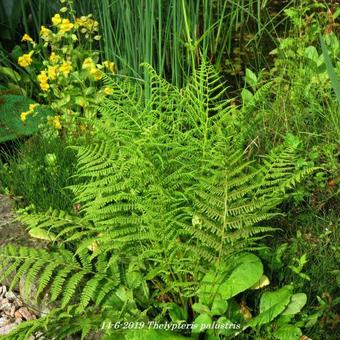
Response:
column 56, row 20
column 88, row 64
column 53, row 57
column 26, row 37
column 110, row 65
column 79, row 22
column 45, row 33
column 96, row 73
column 65, row 68
column 24, row 115
column 108, row 91
column 44, row 86
column 52, row 72
column 55, row 122
column 42, row 77
column 86, row 23
column 32, row 107
column 65, row 26
column 25, row 60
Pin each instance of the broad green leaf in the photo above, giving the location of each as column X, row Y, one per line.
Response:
column 202, row 322
column 296, row 303
column 271, row 305
column 11, row 125
column 219, row 306
column 200, row 308
column 288, row 332
column 231, row 279
column 42, row 234
column 245, row 275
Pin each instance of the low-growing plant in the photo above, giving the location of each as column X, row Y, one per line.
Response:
column 36, row 171
column 168, row 213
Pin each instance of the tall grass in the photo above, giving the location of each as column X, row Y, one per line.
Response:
column 169, row 34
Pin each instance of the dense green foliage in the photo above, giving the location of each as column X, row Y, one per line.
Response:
column 164, row 198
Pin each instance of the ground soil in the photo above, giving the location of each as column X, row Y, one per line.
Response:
column 12, row 231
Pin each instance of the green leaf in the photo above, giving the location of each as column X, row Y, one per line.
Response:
column 312, row 54
column 232, row 279
column 271, row 305
column 176, row 312
column 200, row 308
column 297, row 302
column 42, row 234
column 247, row 97
column 11, row 126
column 202, row 322
column 251, row 78
column 219, row 306
column 246, row 274
column 288, row 332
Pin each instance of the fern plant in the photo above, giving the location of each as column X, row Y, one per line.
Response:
column 165, row 195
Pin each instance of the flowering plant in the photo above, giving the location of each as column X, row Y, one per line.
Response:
column 70, row 74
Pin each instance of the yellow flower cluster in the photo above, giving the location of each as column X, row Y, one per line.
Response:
column 65, row 68
column 53, row 71
column 53, row 57
column 70, row 69
column 56, row 19
column 90, row 66
column 65, row 26
column 86, row 24
column 45, row 33
column 43, row 81
column 31, row 109
column 25, row 60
